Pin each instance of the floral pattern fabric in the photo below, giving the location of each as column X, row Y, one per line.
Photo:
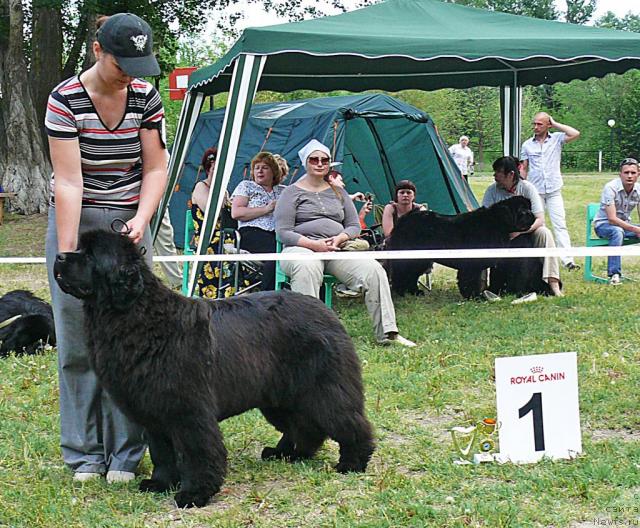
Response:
column 258, row 197
column 216, row 279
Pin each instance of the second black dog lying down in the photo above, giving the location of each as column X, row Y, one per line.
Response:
column 178, row 366
column 26, row 323
column 519, row 276
column 486, row 227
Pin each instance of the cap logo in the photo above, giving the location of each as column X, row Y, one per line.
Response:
column 139, row 41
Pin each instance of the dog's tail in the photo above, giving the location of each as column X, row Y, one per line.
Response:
column 7, row 322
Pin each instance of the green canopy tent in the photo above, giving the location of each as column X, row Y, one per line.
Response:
column 396, row 45
column 379, row 140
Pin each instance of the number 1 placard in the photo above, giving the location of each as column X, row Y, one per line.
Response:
column 538, row 411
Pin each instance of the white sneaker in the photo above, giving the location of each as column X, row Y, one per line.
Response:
column 490, row 296
column 391, row 339
column 344, row 292
column 615, row 280
column 85, row 476
column 403, row 341
column 120, row 476
column 529, row 297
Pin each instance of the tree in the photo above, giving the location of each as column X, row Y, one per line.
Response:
column 43, row 42
column 627, row 23
column 580, row 11
column 26, row 169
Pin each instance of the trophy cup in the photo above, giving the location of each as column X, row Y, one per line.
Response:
column 479, row 437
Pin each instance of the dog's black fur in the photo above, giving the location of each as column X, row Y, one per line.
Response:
column 32, row 330
column 178, row 366
column 518, row 276
column 486, row 227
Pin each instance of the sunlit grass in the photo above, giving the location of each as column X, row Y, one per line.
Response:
column 413, row 397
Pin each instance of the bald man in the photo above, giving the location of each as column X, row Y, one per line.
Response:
column 541, row 157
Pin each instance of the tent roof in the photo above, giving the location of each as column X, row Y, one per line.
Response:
column 424, row 44
column 381, row 104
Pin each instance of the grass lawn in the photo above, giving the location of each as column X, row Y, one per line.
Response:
column 413, row 398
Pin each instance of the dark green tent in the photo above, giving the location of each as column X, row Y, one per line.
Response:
column 397, row 45
column 379, row 140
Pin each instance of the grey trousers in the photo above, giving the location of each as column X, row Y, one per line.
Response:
column 95, row 436
column 542, row 238
column 366, row 275
column 165, row 247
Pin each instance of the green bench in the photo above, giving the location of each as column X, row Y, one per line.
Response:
column 593, row 240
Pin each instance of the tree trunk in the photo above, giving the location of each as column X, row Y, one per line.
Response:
column 46, row 56
column 4, row 45
column 27, row 168
column 73, row 58
column 90, row 37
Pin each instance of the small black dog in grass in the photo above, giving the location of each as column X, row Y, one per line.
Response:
column 178, row 366
column 26, row 323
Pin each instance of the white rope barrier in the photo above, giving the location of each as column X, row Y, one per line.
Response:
column 433, row 254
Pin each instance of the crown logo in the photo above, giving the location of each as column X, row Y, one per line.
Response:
column 139, row 41
column 537, row 370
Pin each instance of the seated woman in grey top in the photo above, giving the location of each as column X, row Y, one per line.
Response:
column 312, row 216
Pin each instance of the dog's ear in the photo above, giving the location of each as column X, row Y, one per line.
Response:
column 126, row 287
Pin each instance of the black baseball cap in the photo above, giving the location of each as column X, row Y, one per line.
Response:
column 129, row 39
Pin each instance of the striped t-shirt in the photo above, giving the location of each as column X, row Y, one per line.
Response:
column 111, row 159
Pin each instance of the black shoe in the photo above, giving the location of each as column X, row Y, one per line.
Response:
column 571, row 266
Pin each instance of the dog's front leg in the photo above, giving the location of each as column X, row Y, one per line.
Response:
column 202, row 461
column 165, row 470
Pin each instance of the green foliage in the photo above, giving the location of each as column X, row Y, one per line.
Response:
column 580, row 11
column 629, row 22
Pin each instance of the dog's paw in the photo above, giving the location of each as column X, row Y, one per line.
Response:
column 189, row 499
column 271, row 453
column 350, row 467
column 155, row 486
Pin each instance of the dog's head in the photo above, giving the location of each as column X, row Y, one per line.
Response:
column 514, row 214
column 106, row 268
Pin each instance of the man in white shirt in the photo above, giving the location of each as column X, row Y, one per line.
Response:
column 541, row 157
column 619, row 198
column 508, row 183
column 463, row 156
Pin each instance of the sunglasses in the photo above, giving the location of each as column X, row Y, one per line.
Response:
column 317, row 160
column 211, row 157
column 629, row 161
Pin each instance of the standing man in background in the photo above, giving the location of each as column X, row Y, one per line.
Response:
column 463, row 156
column 541, row 157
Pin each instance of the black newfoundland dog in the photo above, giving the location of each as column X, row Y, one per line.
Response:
column 178, row 366
column 486, row 227
column 26, row 323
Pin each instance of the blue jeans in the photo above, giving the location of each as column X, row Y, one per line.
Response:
column 615, row 235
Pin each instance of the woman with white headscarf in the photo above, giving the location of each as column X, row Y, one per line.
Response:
column 314, row 216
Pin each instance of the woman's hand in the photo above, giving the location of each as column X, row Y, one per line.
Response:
column 136, row 227
column 337, row 241
column 322, row 246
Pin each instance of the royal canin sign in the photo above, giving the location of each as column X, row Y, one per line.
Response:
column 537, row 376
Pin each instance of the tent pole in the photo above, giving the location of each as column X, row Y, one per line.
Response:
column 511, row 110
column 244, row 84
column 186, row 123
